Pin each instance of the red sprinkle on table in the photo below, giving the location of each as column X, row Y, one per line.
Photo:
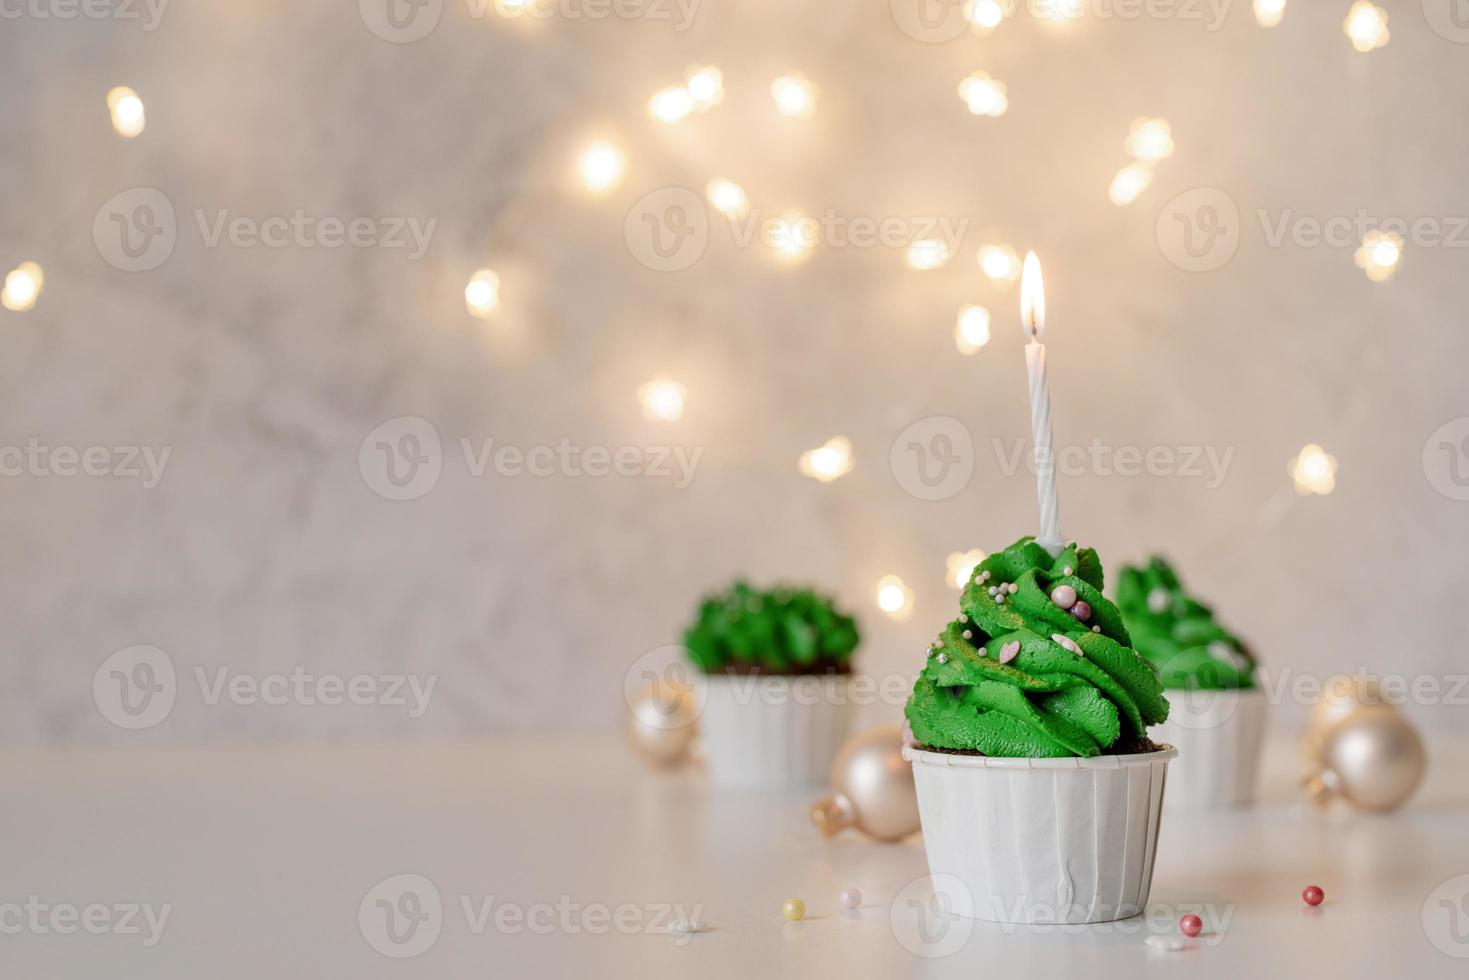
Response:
column 1191, row 925
column 1313, row 895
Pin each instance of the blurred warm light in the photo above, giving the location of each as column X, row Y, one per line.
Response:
column 1269, row 12
column 1150, row 140
column 1032, row 299
column 1130, row 181
column 662, row 399
column 894, row 598
column 984, row 15
column 1379, row 255
column 1366, row 25
column 512, row 8
column 727, row 197
column 828, row 461
column 23, row 286
column 999, row 263
column 793, row 236
column 795, row 96
column 973, row 329
column 482, row 294
column 962, row 565
column 984, row 95
column 1057, row 10
column 601, row 166
column 127, row 111
column 671, row 104
column 928, row 253
column 705, row 85
column 1314, row 471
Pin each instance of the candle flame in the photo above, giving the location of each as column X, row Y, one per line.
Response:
column 1032, row 299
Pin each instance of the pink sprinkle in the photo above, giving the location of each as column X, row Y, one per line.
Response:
column 1063, row 596
column 1066, row 643
column 1009, row 651
column 1081, row 610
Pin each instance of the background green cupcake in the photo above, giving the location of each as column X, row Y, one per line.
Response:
column 1179, row 634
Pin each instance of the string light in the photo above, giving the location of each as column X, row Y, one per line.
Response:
column 23, row 286
column 1379, row 255
column 828, row 461
column 984, row 15
column 894, row 598
column 601, row 166
column 126, row 109
column 999, row 263
column 795, row 96
column 705, row 85
column 962, row 565
column 662, row 399
column 1314, row 471
column 1268, row 13
column 727, row 197
column 671, row 104
column 973, row 329
column 928, row 253
column 984, row 95
column 1130, row 181
column 793, row 236
column 482, row 294
column 1366, row 25
column 1150, row 140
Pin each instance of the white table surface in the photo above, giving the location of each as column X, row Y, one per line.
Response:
column 266, row 853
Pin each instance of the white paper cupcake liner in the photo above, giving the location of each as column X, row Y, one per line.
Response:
column 1218, row 735
column 1041, row 840
column 767, row 732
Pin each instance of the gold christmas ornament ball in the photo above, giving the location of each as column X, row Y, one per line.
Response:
column 663, row 724
column 871, row 788
column 1373, row 758
column 1342, row 695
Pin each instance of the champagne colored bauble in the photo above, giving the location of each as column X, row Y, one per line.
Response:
column 871, row 788
column 662, row 727
column 1340, row 696
column 1373, row 758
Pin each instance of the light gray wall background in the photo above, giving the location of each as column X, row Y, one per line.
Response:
column 262, row 370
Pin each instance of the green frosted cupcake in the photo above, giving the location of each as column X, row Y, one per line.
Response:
column 1038, row 664
column 1179, row 634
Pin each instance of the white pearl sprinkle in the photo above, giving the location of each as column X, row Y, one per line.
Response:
column 992, row 590
column 968, row 635
column 938, row 643
column 1096, row 629
column 1066, row 570
column 1013, row 588
column 984, row 576
column 963, row 618
column 1000, row 599
column 943, row 658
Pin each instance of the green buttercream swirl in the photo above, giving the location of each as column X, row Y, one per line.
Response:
column 1179, row 634
column 1048, row 699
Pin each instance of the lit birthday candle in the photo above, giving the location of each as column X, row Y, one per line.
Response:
column 1033, row 323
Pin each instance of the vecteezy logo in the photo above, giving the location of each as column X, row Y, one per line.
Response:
column 400, row 21
column 1198, row 230
column 667, row 230
column 402, row 458
column 930, row 21
column 933, row 458
column 1449, row 19
column 1446, row 459
column 135, row 687
column 930, row 917
column 401, row 916
column 1446, row 917
column 665, row 671
column 135, row 230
